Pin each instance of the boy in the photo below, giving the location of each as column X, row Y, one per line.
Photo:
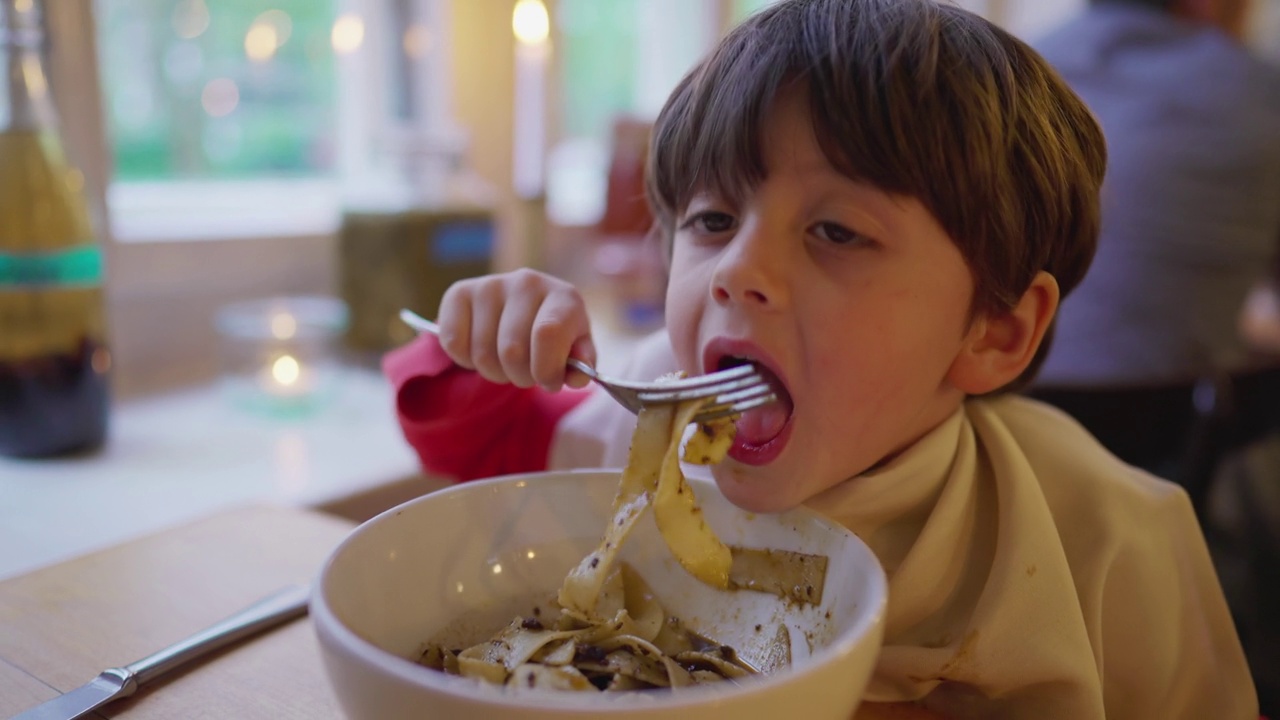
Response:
column 880, row 202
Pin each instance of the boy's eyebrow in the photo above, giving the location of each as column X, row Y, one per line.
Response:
column 872, row 203
column 875, row 203
column 702, row 196
column 870, row 215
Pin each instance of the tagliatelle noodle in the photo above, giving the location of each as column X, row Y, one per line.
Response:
column 652, row 477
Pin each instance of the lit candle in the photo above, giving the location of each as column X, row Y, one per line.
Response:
column 532, row 27
column 279, row 354
column 284, row 374
column 286, row 377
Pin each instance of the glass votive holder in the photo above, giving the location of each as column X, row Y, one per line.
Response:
column 281, row 356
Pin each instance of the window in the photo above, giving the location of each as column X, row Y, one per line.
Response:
column 242, row 118
column 311, row 80
column 743, row 8
column 231, row 89
column 590, row 30
column 616, row 58
column 214, row 112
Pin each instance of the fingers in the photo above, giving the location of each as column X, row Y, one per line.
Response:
column 488, row 301
column 517, row 327
column 512, row 340
column 560, row 329
column 454, row 321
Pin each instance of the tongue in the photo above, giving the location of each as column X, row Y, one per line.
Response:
column 759, row 426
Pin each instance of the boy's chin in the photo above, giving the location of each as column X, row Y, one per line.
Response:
column 752, row 490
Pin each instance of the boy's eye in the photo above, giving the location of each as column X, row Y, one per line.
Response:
column 837, row 234
column 711, row 221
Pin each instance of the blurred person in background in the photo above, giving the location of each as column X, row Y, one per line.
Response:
column 1190, row 223
column 1149, row 352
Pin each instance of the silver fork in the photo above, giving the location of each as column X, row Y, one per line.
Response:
column 733, row 390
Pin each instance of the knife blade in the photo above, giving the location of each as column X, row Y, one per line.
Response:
column 108, row 686
column 115, row 683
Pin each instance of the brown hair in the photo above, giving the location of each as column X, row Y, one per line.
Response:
column 918, row 98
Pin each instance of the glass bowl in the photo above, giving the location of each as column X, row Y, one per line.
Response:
column 281, row 355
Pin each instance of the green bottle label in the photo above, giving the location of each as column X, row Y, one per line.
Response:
column 74, row 267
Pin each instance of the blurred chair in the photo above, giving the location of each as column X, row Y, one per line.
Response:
column 624, row 251
column 626, row 212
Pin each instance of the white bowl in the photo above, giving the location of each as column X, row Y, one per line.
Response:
column 465, row 560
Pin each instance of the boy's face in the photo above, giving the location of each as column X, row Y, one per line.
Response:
column 857, row 300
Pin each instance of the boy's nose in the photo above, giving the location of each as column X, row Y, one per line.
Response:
column 749, row 272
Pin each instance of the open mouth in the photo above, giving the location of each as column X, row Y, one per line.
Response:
column 758, row 427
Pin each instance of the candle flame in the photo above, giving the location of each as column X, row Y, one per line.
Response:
column 285, row 370
column 530, row 22
column 348, row 34
column 261, row 42
column 269, row 31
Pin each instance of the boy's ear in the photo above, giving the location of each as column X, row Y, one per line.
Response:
column 999, row 347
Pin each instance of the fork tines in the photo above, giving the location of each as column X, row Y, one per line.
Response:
column 744, row 389
column 736, row 402
column 710, row 386
column 697, row 381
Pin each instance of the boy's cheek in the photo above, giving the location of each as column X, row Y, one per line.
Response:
column 683, row 333
column 682, row 310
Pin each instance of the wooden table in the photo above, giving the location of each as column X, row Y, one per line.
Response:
column 61, row 625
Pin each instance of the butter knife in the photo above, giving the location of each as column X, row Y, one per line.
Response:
column 115, row 683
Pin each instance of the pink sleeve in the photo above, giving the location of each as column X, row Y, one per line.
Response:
column 465, row 427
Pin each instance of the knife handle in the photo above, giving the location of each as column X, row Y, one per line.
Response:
column 267, row 613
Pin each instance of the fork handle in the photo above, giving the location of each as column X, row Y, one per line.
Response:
column 419, row 323
column 581, row 367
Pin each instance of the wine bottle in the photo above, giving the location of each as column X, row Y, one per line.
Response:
column 54, row 361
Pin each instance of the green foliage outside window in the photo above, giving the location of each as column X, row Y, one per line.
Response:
column 184, row 99
column 597, row 45
column 744, row 8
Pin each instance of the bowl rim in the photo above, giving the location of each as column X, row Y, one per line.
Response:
column 326, row 621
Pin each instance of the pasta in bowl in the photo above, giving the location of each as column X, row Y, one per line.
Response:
column 454, row 568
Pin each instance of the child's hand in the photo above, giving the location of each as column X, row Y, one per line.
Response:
column 518, row 327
